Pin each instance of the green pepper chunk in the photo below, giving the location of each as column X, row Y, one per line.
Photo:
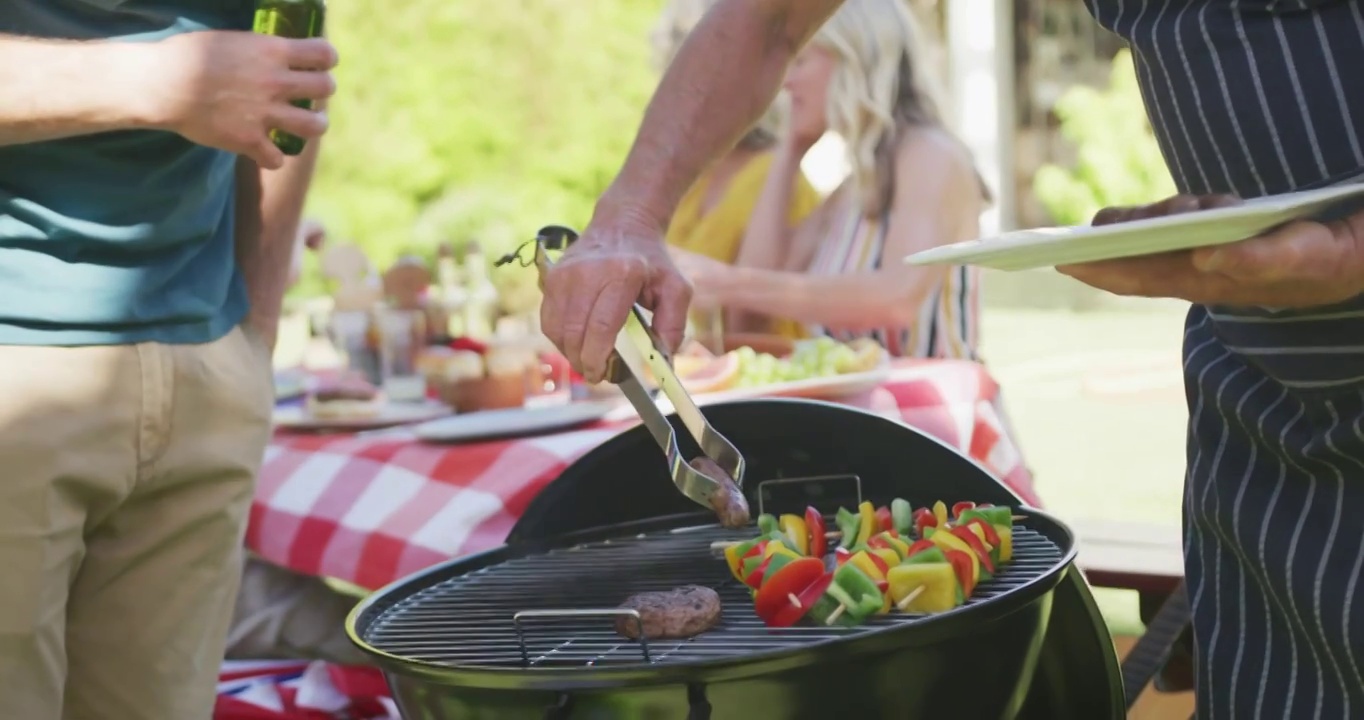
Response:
column 825, row 607
column 924, row 557
column 902, row 517
column 775, row 563
column 767, row 524
column 848, row 524
column 858, row 593
column 991, row 515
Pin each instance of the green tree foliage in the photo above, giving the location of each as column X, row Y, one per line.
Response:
column 1118, row 163
column 464, row 119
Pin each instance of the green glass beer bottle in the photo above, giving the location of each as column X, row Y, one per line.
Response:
column 298, row 19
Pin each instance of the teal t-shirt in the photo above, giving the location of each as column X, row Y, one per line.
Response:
column 120, row 237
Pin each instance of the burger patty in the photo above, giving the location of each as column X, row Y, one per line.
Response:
column 728, row 502
column 671, row 614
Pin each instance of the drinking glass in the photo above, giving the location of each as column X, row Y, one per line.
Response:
column 401, row 333
column 349, row 331
column 708, row 328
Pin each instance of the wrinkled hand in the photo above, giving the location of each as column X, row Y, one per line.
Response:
column 616, row 263
column 1301, row 264
column 228, row 90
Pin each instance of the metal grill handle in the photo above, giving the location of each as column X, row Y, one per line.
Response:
column 587, row 613
column 762, row 496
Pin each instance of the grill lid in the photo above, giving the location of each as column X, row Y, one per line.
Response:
column 515, row 610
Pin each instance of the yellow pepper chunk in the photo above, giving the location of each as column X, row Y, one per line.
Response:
column 900, row 546
column 1006, row 543
column 735, row 561
column 940, row 512
column 939, row 585
column 946, row 540
column 866, row 526
column 793, row 526
column 891, row 557
column 979, row 532
column 774, row 548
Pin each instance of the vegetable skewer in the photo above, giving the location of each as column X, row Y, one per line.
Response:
column 883, row 568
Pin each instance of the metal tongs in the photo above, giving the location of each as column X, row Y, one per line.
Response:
column 638, row 348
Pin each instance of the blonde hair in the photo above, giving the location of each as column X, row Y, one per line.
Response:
column 878, row 91
column 677, row 21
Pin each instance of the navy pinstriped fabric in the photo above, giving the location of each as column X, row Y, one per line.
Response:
column 1261, row 97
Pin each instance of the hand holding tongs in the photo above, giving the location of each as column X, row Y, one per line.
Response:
column 638, row 348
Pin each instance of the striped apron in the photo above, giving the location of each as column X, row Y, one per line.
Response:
column 1261, row 97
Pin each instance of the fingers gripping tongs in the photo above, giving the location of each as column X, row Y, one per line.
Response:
column 714, row 480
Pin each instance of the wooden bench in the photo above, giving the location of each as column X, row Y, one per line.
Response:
column 1132, row 556
column 1150, row 560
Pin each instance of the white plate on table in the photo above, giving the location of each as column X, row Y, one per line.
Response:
column 831, row 387
column 1048, row 247
column 512, row 422
column 392, row 414
column 290, row 384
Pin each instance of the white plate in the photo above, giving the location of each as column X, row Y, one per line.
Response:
column 512, row 422
column 1048, row 247
column 832, row 387
column 298, row 417
column 290, row 384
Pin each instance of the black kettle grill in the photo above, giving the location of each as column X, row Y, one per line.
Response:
column 519, row 632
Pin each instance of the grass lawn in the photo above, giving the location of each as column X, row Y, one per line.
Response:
column 1097, row 401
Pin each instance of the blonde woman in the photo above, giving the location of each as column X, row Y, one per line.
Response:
column 711, row 218
column 912, row 186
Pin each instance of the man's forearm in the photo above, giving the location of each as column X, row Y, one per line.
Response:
column 721, row 81
column 53, row 89
column 269, row 208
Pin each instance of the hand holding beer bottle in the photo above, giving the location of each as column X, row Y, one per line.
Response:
column 233, row 90
column 298, row 19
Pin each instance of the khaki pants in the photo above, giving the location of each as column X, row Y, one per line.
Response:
column 126, row 475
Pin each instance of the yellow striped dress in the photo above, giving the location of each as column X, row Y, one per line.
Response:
column 947, row 322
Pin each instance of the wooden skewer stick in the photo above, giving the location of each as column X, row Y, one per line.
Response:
column 795, row 601
column 903, row 604
column 837, row 613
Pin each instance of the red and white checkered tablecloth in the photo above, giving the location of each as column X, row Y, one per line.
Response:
column 371, row 509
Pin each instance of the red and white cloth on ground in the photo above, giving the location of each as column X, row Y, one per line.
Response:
column 372, row 509
column 287, row 690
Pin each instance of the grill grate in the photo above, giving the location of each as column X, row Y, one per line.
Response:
column 467, row 621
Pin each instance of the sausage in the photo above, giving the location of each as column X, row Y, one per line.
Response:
column 728, row 502
column 679, row 613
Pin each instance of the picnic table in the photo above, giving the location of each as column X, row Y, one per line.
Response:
column 369, row 509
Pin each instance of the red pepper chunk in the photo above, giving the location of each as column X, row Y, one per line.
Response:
column 880, row 563
column 962, row 507
column 776, row 591
column 961, row 564
column 924, row 518
column 919, row 547
column 791, row 613
column 883, row 519
column 841, row 555
column 814, row 524
column 976, row 546
column 755, row 578
column 991, row 535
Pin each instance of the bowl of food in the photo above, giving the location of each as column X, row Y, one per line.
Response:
column 494, row 378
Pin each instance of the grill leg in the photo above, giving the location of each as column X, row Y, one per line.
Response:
column 696, row 699
column 560, row 710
